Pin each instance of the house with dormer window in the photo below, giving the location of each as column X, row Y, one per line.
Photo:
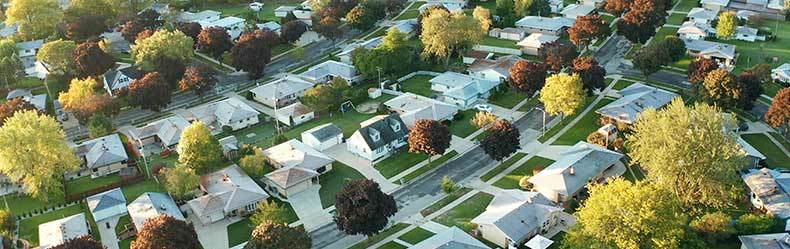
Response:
column 379, row 136
column 120, row 76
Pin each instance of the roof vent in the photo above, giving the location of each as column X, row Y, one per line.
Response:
column 572, row 170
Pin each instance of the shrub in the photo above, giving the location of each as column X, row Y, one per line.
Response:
column 227, row 129
column 458, row 116
column 755, row 223
column 448, row 185
column 713, row 227
column 596, row 138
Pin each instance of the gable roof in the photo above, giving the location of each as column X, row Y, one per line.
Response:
column 330, row 68
column 121, row 69
column 709, row 47
column 500, row 65
column 544, row 23
column 151, row 205
column 517, row 213
column 269, row 25
column 58, row 231
column 102, row 151
column 414, row 107
column 366, row 44
column 30, row 45
column 232, row 110
column 765, row 241
column 107, row 204
column 463, row 86
column 696, row 28
column 324, row 132
column 635, row 99
column 294, row 153
column 715, row 2
column 382, row 125
column 701, row 13
column 782, row 70
column 576, row 10
column 575, row 168
column 771, row 187
column 286, row 85
column 406, row 26
column 227, row 189
column 452, row 238
column 536, row 40
column 168, row 130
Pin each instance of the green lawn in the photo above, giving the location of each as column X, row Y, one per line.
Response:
column 240, row 232
column 23, row 204
column 683, row 63
column 131, row 192
column 399, row 162
column 504, row 165
column 686, row 5
column 348, row 122
column 609, row 19
column 281, row 48
column 28, row 228
column 461, row 215
column 444, row 201
column 418, row 85
column 751, row 53
column 125, row 244
column 509, row 99
column 86, row 183
column 781, row 139
column 676, row 19
column 622, row 84
column 416, row 235
column 463, row 127
column 585, row 126
column 253, row 134
column 411, row 12
column 429, row 166
column 265, row 14
column 334, row 180
column 502, row 43
column 380, row 236
column 662, row 33
column 27, row 82
column 290, row 215
column 771, row 88
column 123, row 222
column 392, row 245
column 565, row 120
column 775, row 156
column 510, row 181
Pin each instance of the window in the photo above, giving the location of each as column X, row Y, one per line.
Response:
column 375, row 135
column 396, row 127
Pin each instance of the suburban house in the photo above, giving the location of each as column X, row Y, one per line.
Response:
column 107, row 205
column 765, row 241
column 39, row 100
column 59, row 231
column 294, row 114
column 151, row 205
column 202, row 16
column 120, row 76
column 473, row 55
column 515, row 216
column 596, row 3
column 573, row 11
column 8, row 30
column 272, row 25
column 231, row 112
column 557, row 5
column 304, row 15
column 781, row 73
column 513, row 34
column 449, row 6
column 329, row 70
column 227, row 192
column 407, row 26
column 379, row 136
column 230, row 147
column 531, row 44
column 753, row 156
column 100, row 157
column 26, row 51
column 459, row 3
column 462, row 90
column 493, row 70
column 715, row 5
column 39, row 70
column 159, row 135
column 283, row 11
column 702, row 15
column 297, row 167
column 546, row 25
column 412, row 107
column 450, row 238
column 695, row 30
column 768, row 191
column 581, row 164
column 722, row 53
column 323, row 137
column 348, row 50
column 635, row 99
column 233, row 25
column 281, row 92
column 744, row 33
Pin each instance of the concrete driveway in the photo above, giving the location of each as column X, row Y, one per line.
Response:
column 108, row 236
column 214, row 235
column 307, row 205
column 365, row 167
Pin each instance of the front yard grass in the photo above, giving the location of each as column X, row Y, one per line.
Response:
column 775, row 157
column 676, row 19
column 781, row 139
column 418, row 85
column 502, row 43
column 461, row 215
column 504, row 165
column 462, row 127
column 771, row 88
column 444, row 201
column 510, row 181
column 508, row 99
column 334, row 180
column 662, row 34
column 399, row 162
column 86, row 183
column 28, row 228
column 584, row 127
column 686, row 5
column 622, row 84
column 683, row 63
column 125, row 244
column 429, row 166
column 380, row 236
column 562, row 123
column 250, row 135
column 751, row 53
column 392, row 245
column 416, row 235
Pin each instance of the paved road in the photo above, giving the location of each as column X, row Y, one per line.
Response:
column 461, row 169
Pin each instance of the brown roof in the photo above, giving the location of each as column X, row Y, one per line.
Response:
column 476, row 54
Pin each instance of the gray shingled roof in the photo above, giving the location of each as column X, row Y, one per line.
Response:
column 107, row 204
column 325, row 132
column 287, row 177
column 385, row 128
column 102, row 151
column 766, row 241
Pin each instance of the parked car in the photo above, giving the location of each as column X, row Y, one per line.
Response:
column 256, row 6
column 483, row 108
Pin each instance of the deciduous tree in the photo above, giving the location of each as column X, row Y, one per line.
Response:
column 58, row 55
column 778, row 113
column 85, row 27
column 430, row 137
column 617, row 7
column 269, row 211
column 638, row 24
column 329, row 28
column 483, row 16
column 214, row 41
column 251, row 53
column 254, row 164
column 144, row 35
column 198, row 149
column 91, row 60
column 591, row 73
column 99, row 125
column 558, row 55
column 713, row 227
column 7, row 223
column 180, row 180
column 361, row 18
column 751, row 89
column 166, row 232
column 588, row 28
column 198, row 79
column 150, row 92
column 650, row 59
column 522, row 7
column 172, row 70
column 361, row 208
column 762, row 71
column 171, row 44
column 698, row 166
column 721, row 88
column 82, row 242
column 502, row 140
column 12, row 106
column 527, row 76
column 36, row 18
column 10, row 64
column 34, row 151
column 324, row 97
column 699, row 69
column 483, row 119
column 86, row 97
column 191, row 30
column 101, row 10
column 725, row 27
column 271, row 235
column 755, row 223
column 563, row 94
column 291, row 31
column 444, row 34
column 130, row 29
column 675, row 47
column 506, row 9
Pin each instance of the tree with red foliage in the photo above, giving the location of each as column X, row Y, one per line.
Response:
column 214, row 41
column 12, row 106
column 198, row 79
column 96, row 104
column 778, row 114
column 700, row 68
column 130, row 29
column 83, row 242
column 166, row 232
column 91, row 60
column 328, row 27
column 527, row 76
column 587, row 28
column 617, row 7
column 591, row 73
column 171, row 70
column 251, row 54
column 150, row 92
column 270, row 235
column 84, row 27
column 430, row 137
column 751, row 89
column 291, row 31
column 502, row 140
column 191, row 29
column 270, row 37
column 144, row 34
column 361, row 208
column 558, row 55
column 638, row 24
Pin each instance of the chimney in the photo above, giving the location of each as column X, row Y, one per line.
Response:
column 572, row 171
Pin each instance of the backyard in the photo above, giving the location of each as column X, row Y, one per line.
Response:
column 28, row 228
column 266, row 13
column 775, row 157
column 502, row 43
column 510, row 181
column 418, row 85
column 23, row 204
column 86, row 183
column 508, row 99
column 662, row 34
column 334, row 180
column 773, row 52
column 586, row 125
column 676, row 19
column 348, row 122
column 462, row 215
column 131, row 192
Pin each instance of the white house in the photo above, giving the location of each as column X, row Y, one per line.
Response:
column 407, row 26
column 297, row 167
column 304, row 15
column 462, row 90
column 580, row 165
column 328, row 70
column 453, row 8
column 378, row 137
column 228, row 192
column 323, row 137
column 26, row 51
column 233, row 25
column 634, row 100
column 781, row 73
column 231, row 112
column 58, row 231
column 715, row 5
column 702, row 15
column 515, row 216
column 273, row 26
column 413, row 107
column 768, row 191
column 283, row 11
column 106, row 206
column 513, row 34
column 348, row 50
column 450, row 238
column 120, row 76
column 493, row 70
column 744, row 33
column 547, row 25
column 159, row 135
column 695, row 30
column 100, row 157
column 39, row 100
column 202, row 16
column 765, row 241
column 151, row 205
column 573, row 11
column 283, row 91
column 458, row 3
column 557, row 5
column 294, row 114
column 596, row 3
column 722, row 53
column 532, row 44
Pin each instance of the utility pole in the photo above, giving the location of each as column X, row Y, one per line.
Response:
column 543, row 129
column 378, row 69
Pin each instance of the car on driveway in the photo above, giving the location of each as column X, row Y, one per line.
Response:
column 483, row 108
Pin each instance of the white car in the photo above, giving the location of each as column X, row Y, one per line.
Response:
column 483, row 108
column 256, row 6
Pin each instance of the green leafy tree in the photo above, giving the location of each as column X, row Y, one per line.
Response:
column 448, row 185
column 361, row 208
column 36, row 18
column 713, row 227
column 254, row 164
column 393, row 40
column 58, row 55
column 7, row 223
column 324, row 97
column 197, row 148
column 10, row 64
column 502, row 140
column 269, row 211
column 99, row 125
column 755, row 223
column 725, row 27
column 270, row 235
column 34, row 151
column 328, row 27
column 563, row 94
column 651, row 58
column 291, row 31
column 171, row 44
column 506, row 9
column 675, row 47
column 361, row 18
column 101, row 9
column 180, row 181
column 697, row 166
column 522, row 7
column 444, row 34
column 483, row 16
